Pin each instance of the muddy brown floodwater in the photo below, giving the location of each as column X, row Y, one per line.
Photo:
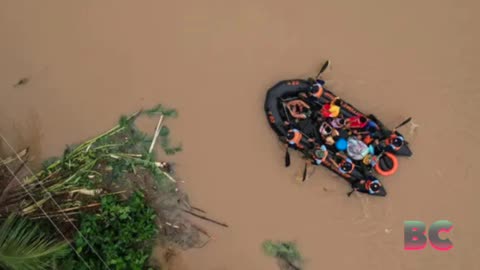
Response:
column 87, row 62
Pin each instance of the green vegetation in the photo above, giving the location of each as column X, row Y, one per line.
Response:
column 286, row 253
column 23, row 246
column 121, row 233
column 111, row 188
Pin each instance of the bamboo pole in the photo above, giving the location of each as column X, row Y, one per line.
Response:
column 157, row 132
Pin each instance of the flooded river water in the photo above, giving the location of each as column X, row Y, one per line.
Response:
column 90, row 61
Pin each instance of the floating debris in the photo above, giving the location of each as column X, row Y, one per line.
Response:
column 21, row 82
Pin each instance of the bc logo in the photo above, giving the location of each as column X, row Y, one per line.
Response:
column 416, row 239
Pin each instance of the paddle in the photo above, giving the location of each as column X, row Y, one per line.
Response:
column 305, row 172
column 287, row 158
column 403, row 123
column 399, row 126
column 287, row 154
column 324, row 67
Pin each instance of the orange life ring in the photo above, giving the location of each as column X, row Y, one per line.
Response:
column 394, row 168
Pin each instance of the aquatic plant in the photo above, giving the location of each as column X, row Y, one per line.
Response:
column 286, row 253
column 120, row 235
column 71, row 183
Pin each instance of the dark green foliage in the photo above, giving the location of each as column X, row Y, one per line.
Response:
column 165, row 142
column 121, row 233
column 159, row 109
column 286, row 252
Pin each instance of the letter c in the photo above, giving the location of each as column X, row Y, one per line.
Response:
column 433, row 235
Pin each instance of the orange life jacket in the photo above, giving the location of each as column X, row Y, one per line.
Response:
column 297, row 138
column 319, row 93
column 368, row 139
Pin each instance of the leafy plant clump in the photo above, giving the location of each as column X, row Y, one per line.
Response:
column 286, row 253
column 111, row 187
column 121, row 233
column 67, row 185
column 24, row 246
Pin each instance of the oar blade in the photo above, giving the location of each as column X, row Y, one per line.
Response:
column 404, row 123
column 324, row 67
column 287, row 158
column 305, row 172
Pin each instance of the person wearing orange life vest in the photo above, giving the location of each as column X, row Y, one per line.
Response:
column 312, row 95
column 294, row 137
column 394, row 142
column 371, row 184
column 314, row 90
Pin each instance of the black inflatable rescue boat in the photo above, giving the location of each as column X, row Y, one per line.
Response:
column 383, row 145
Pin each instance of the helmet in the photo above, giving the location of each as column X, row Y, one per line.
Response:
column 397, row 141
column 341, row 144
column 374, row 186
column 328, row 129
column 319, row 153
column 346, row 166
column 337, row 102
column 314, row 88
column 290, row 134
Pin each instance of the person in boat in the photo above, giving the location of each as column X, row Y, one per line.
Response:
column 327, row 130
column 337, row 123
column 356, row 122
column 314, row 91
column 295, row 138
column 394, row 142
column 319, row 155
column 343, row 164
column 369, row 162
column 369, row 132
column 371, row 184
column 331, row 110
column 356, row 148
column 327, row 133
column 298, row 109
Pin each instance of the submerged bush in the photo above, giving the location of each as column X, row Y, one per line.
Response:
column 286, row 252
column 121, row 234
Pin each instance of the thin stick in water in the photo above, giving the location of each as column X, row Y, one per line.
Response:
column 198, row 209
column 157, row 132
column 205, row 218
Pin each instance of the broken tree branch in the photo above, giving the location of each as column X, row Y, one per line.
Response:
column 205, row 218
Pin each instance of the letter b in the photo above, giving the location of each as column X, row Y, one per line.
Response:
column 414, row 234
